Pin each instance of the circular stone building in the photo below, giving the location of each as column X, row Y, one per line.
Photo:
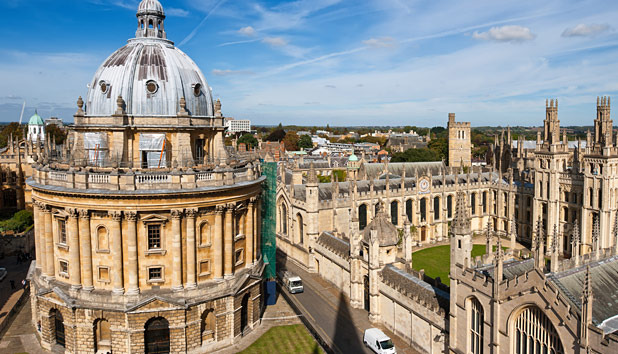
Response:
column 147, row 233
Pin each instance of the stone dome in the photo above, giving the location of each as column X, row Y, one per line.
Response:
column 36, row 120
column 150, row 7
column 150, row 74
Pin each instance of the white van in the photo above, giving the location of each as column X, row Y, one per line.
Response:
column 292, row 282
column 379, row 342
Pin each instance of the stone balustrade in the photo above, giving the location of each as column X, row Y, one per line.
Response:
column 133, row 180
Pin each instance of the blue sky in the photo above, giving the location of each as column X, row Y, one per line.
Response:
column 342, row 62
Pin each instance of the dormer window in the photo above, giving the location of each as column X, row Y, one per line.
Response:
column 104, row 86
column 197, row 90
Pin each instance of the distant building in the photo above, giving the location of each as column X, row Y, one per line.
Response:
column 55, row 121
column 238, row 126
column 36, row 128
column 459, row 143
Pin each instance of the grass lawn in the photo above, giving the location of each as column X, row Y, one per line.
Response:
column 285, row 339
column 436, row 260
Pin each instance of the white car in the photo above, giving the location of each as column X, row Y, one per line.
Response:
column 379, row 342
column 3, row 273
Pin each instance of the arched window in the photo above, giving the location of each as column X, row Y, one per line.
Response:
column 409, row 209
column 376, row 208
column 205, row 234
column 283, row 215
column 395, row 212
column 484, row 202
column 102, row 336
column 300, row 228
column 473, row 203
column 534, row 333
column 157, row 336
column 102, row 239
column 449, row 206
column 436, row 208
column 424, row 209
column 475, row 330
column 150, row 24
column 362, row 216
column 207, row 328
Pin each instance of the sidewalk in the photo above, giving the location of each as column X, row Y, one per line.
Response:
column 20, row 337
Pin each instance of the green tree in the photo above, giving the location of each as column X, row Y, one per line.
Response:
column 416, row 155
column 19, row 222
column 277, row 135
column 55, row 132
column 249, row 140
column 11, row 128
column 440, row 146
column 305, row 142
column 291, row 141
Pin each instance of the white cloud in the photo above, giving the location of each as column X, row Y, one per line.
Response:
column 511, row 33
column 583, row 30
column 247, row 31
column 382, row 42
column 172, row 11
column 275, row 41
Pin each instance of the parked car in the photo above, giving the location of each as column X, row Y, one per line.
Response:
column 3, row 273
column 379, row 342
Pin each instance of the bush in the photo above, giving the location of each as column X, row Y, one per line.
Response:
column 18, row 223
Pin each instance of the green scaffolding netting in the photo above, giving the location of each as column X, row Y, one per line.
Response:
column 269, row 245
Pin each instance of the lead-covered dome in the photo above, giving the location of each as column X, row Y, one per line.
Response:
column 150, row 74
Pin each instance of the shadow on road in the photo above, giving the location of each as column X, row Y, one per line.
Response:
column 346, row 337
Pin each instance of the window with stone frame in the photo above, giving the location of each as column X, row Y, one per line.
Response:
column 239, row 256
column 154, row 236
column 64, row 268
column 104, row 274
column 62, row 231
column 476, row 321
column 205, row 267
column 155, row 274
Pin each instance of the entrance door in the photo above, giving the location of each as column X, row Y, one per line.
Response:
column 244, row 313
column 423, row 233
column 157, row 336
column 59, row 324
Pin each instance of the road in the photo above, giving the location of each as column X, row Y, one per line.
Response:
column 331, row 316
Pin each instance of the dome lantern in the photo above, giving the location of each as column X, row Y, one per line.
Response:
column 150, row 17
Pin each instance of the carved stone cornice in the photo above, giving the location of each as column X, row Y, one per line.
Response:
column 191, row 213
column 72, row 212
column 219, row 209
column 83, row 213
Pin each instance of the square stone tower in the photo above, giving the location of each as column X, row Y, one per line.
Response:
column 459, row 144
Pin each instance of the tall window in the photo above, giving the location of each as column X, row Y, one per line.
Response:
column 62, row 231
column 154, row 237
column 423, row 209
column 473, row 203
column 409, row 209
column 436, row 208
column 484, row 202
column 284, row 219
column 394, row 212
column 534, row 333
column 449, row 206
column 362, row 216
column 301, row 231
column 476, row 327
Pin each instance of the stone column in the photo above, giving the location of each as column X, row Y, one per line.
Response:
column 74, row 260
column 39, row 235
column 176, row 249
column 50, row 258
column 217, row 243
column 191, row 283
column 131, row 218
column 117, row 266
column 86, row 249
column 257, row 233
column 228, row 242
column 249, row 234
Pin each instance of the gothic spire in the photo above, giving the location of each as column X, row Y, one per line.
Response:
column 461, row 222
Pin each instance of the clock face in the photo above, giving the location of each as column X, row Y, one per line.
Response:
column 424, row 185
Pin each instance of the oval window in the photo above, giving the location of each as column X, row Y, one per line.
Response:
column 197, row 89
column 104, row 86
column 151, row 86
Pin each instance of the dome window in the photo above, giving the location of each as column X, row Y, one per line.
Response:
column 151, row 86
column 197, row 90
column 104, row 86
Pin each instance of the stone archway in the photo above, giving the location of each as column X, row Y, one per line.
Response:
column 157, row 336
column 57, row 327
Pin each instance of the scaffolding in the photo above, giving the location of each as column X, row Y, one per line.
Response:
column 269, row 240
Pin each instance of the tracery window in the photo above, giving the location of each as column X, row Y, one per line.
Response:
column 476, row 327
column 534, row 333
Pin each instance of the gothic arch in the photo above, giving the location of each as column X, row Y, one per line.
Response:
column 300, row 234
column 530, row 328
column 475, row 323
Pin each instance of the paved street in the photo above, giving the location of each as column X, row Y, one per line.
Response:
column 329, row 312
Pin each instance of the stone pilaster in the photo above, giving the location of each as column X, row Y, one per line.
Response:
column 176, row 249
column 228, row 242
column 249, row 233
column 86, row 249
column 74, row 260
column 117, row 266
column 50, row 258
column 133, row 266
column 217, row 243
column 191, row 265
column 39, row 233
